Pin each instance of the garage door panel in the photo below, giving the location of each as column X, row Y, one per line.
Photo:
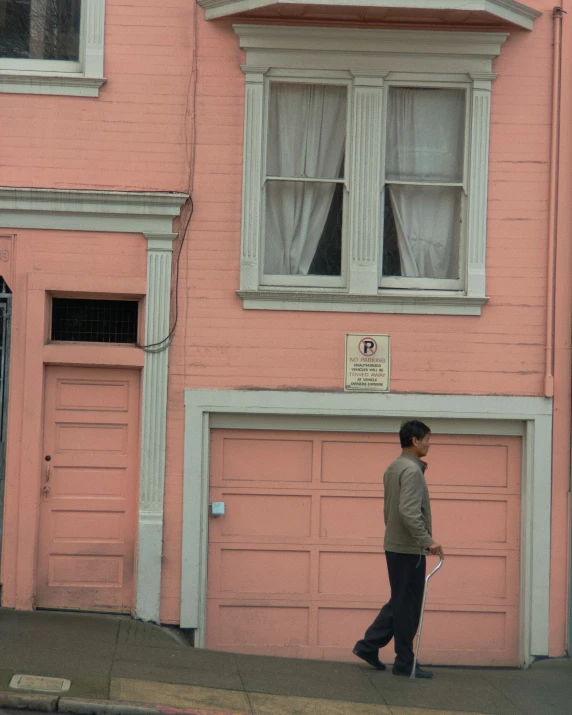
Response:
column 352, row 574
column 271, row 625
column 272, row 460
column 467, row 464
column 473, row 522
column 351, row 517
column 266, row 515
column 472, row 577
column 296, row 565
column 354, row 462
column 264, row 571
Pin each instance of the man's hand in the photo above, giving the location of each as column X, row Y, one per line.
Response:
column 436, row 550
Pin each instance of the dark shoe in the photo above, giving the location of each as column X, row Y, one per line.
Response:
column 420, row 673
column 370, row 658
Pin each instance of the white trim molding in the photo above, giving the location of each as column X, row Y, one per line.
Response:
column 86, row 210
column 502, row 11
column 151, row 214
column 461, row 414
column 82, row 79
column 154, row 427
column 370, row 61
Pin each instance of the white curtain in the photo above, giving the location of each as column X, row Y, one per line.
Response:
column 425, row 144
column 306, row 138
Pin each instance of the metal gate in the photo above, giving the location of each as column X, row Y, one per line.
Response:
column 5, row 322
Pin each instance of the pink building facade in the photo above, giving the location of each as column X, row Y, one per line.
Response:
column 372, row 170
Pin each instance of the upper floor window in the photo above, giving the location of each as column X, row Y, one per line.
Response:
column 422, row 192
column 40, row 29
column 365, row 169
column 424, row 188
column 51, row 46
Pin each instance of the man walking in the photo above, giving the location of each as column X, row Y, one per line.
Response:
column 407, row 514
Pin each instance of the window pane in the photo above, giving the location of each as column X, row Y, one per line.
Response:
column 425, row 135
column 94, row 320
column 422, row 231
column 306, row 130
column 303, row 228
column 40, row 29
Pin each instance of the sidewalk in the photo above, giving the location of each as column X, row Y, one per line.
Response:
column 119, row 661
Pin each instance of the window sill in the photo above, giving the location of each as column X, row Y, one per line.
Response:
column 68, row 84
column 412, row 302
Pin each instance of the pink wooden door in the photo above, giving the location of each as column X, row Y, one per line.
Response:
column 296, row 564
column 88, row 502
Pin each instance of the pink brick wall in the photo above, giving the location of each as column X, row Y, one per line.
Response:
column 133, row 135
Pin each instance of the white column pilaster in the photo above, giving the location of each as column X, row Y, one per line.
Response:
column 479, row 172
column 94, row 23
column 252, row 178
column 153, row 427
column 365, row 186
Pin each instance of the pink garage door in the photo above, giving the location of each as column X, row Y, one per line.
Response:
column 296, row 566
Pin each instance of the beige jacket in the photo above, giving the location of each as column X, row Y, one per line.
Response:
column 407, row 510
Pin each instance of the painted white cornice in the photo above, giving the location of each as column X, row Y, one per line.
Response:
column 149, row 212
column 358, row 43
column 509, row 11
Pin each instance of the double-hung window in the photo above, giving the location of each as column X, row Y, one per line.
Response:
column 424, row 188
column 365, row 169
column 51, row 46
column 305, row 190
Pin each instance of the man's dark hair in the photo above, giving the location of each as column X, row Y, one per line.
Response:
column 410, row 429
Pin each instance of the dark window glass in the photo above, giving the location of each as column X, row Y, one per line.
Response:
column 40, row 29
column 94, row 321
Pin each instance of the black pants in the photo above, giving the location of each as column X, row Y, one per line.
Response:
column 399, row 618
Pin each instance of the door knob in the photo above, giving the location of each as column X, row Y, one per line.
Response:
column 46, row 489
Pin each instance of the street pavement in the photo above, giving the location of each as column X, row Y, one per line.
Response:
column 115, row 663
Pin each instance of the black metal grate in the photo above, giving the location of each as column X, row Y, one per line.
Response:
column 94, row 321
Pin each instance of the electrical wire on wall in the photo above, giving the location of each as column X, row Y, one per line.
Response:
column 188, row 206
column 166, row 341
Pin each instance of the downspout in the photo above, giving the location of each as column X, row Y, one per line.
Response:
column 553, row 198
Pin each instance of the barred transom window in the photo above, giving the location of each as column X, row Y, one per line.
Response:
column 94, row 320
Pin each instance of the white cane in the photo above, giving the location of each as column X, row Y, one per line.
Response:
column 422, row 613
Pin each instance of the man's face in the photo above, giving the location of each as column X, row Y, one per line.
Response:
column 422, row 445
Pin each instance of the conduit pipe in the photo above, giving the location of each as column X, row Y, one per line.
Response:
column 553, row 198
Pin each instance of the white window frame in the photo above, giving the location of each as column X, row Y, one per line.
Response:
column 371, row 61
column 305, row 281
column 407, row 283
column 60, row 77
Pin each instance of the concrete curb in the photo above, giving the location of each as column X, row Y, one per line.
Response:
column 79, row 706
column 83, row 706
column 29, row 701
column 70, row 706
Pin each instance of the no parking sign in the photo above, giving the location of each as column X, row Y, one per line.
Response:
column 367, row 363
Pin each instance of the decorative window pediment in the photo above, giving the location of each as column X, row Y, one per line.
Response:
column 438, row 12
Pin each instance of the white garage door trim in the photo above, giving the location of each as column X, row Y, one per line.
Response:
column 348, row 412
